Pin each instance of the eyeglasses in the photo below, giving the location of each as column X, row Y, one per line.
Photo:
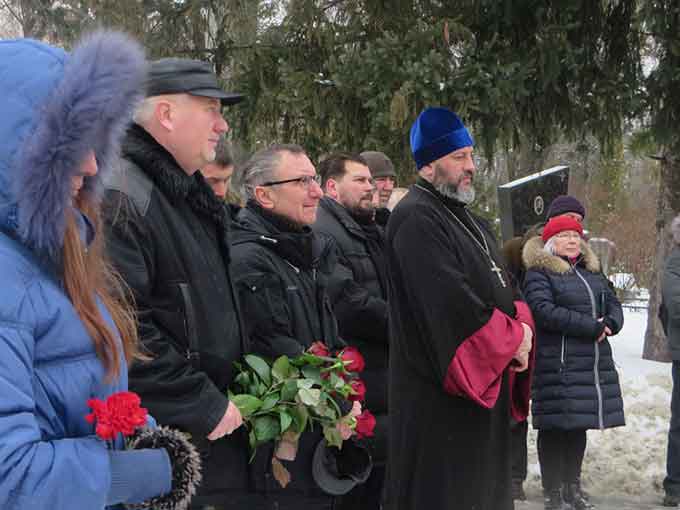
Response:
column 305, row 181
column 568, row 235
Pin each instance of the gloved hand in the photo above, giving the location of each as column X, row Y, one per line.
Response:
column 185, row 462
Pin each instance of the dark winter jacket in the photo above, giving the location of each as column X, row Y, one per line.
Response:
column 167, row 235
column 358, row 287
column 670, row 291
column 56, row 107
column 382, row 216
column 575, row 385
column 281, row 276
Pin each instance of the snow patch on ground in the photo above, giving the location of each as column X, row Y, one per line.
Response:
column 630, row 460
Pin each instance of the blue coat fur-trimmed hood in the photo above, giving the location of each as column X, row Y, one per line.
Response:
column 55, row 107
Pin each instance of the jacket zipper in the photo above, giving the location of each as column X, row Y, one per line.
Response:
column 563, row 353
column 193, row 349
column 600, row 413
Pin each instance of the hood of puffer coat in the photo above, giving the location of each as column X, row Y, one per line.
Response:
column 535, row 257
column 54, row 108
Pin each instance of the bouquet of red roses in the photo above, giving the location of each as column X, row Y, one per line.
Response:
column 281, row 399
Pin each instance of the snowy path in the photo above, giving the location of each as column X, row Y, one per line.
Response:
column 624, row 467
column 600, row 504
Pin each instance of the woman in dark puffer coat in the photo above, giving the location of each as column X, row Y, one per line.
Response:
column 575, row 386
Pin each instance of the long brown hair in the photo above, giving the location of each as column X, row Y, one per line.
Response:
column 88, row 275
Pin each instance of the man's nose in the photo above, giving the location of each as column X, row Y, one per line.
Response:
column 470, row 164
column 315, row 190
column 221, row 189
column 222, row 125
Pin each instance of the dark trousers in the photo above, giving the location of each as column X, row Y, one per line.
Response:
column 367, row 496
column 671, row 483
column 560, row 454
column 292, row 501
column 518, row 446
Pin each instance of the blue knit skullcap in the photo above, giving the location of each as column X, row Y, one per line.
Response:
column 436, row 133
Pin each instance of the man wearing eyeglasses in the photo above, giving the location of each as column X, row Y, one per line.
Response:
column 281, row 271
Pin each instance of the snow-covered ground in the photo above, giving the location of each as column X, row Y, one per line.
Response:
column 627, row 461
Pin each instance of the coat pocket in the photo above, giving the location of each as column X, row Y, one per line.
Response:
column 190, row 325
column 264, row 303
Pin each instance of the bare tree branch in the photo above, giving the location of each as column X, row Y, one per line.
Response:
column 11, row 11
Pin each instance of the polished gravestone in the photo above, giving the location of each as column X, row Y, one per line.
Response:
column 524, row 202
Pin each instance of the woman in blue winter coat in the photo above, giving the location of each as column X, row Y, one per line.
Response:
column 65, row 334
column 576, row 386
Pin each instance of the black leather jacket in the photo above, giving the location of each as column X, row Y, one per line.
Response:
column 167, row 236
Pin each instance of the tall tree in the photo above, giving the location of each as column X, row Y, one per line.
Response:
column 354, row 74
column 662, row 23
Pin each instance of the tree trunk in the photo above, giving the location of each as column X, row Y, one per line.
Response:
column 32, row 23
column 656, row 346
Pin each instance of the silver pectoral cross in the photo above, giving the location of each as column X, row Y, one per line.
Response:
column 499, row 273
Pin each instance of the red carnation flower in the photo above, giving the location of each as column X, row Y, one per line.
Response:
column 126, row 413
column 100, row 414
column 365, row 424
column 355, row 359
column 319, row 349
column 359, row 389
column 120, row 414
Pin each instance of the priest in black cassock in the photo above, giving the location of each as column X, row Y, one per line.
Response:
column 460, row 353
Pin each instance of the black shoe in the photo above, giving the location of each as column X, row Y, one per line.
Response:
column 552, row 500
column 518, row 491
column 576, row 497
column 671, row 500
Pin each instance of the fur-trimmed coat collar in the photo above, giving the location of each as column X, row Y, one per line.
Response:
column 535, row 257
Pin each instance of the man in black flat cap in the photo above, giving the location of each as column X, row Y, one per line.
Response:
column 167, row 236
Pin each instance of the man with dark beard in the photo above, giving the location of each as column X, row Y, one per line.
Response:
column 358, row 288
column 461, row 344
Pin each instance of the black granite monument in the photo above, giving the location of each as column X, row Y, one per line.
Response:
column 524, row 202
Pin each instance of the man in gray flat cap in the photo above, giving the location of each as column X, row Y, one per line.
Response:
column 385, row 179
column 167, row 236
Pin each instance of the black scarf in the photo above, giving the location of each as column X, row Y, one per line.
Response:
column 294, row 243
column 143, row 150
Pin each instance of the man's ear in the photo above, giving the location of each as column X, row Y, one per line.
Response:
column 263, row 197
column 331, row 188
column 165, row 115
column 427, row 172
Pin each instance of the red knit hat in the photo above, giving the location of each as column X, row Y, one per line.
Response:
column 560, row 224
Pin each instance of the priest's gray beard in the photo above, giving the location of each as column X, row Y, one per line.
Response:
column 451, row 190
